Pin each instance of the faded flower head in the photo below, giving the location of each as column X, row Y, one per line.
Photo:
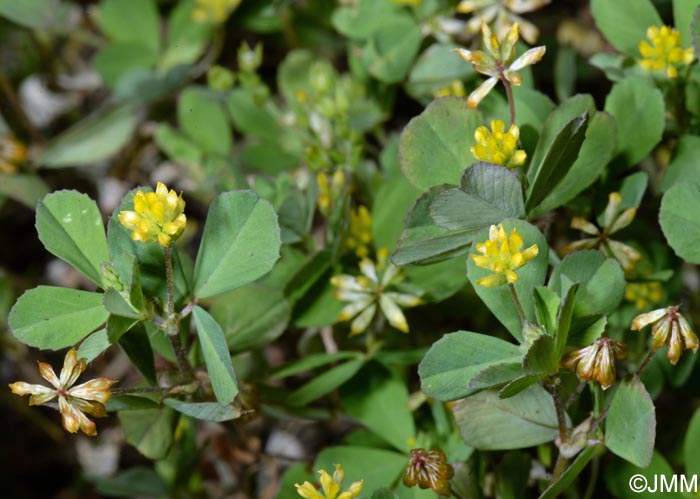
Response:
column 12, row 153
column 668, row 327
column 613, row 221
column 498, row 146
column 643, row 294
column 496, row 60
column 501, row 14
column 330, row 486
column 330, row 187
column 369, row 291
column 596, row 362
column 665, row 52
column 360, row 231
column 73, row 401
column 429, row 469
column 157, row 217
column 502, row 254
column 213, row 11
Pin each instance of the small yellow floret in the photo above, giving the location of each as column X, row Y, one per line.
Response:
column 498, row 146
column 213, row 11
column 157, row 217
column 502, row 255
column 665, row 52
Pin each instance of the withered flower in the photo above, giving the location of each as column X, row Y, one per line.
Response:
column 429, row 469
column 596, row 362
column 668, row 327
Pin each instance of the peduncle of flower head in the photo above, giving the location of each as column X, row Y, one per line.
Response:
column 501, row 14
column 213, row 11
column 496, row 61
column 668, row 327
column 502, row 254
column 157, row 217
column 374, row 289
column 429, row 469
column 663, row 51
column 498, row 146
column 360, row 231
column 330, row 486
column 614, row 220
column 596, row 362
column 73, row 401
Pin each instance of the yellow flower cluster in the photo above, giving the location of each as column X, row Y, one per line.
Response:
column 360, row 231
column 330, row 187
column 214, row 11
column 330, row 486
column 73, row 401
column 456, row 87
column 665, row 52
column 157, row 217
column 12, row 153
column 498, row 146
column 502, row 255
column 643, row 294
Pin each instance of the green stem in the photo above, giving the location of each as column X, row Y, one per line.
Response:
column 511, row 99
column 172, row 323
column 140, row 389
column 561, row 416
column 518, row 305
column 645, row 362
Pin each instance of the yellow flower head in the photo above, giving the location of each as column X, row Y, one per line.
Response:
column 330, row 486
column 330, row 187
column 214, row 11
column 456, row 87
column 643, row 294
column 498, row 146
column 12, row 153
column 596, row 362
column 157, row 217
column 668, row 327
column 372, row 290
column 502, row 255
column 496, row 60
column 360, row 232
column 73, row 401
column 665, row 52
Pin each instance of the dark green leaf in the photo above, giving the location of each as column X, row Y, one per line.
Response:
column 630, row 428
column 325, row 383
column 216, row 356
column 638, row 108
column 149, row 430
column 206, row 411
column 488, row 422
column 624, row 22
column 70, row 226
column 488, row 195
column 434, row 146
column 541, row 358
column 48, row 317
column 570, row 474
column 452, row 362
column 241, row 242
column 558, row 160
column 678, row 221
